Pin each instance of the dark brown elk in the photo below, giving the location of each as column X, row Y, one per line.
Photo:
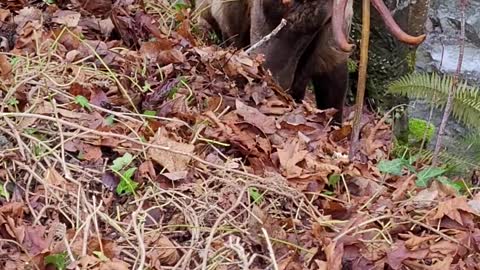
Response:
column 313, row 45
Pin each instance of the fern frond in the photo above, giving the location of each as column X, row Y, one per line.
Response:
column 472, row 146
column 434, row 89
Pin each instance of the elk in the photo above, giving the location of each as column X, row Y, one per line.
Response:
column 313, row 46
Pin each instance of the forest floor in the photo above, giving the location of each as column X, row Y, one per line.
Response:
column 127, row 143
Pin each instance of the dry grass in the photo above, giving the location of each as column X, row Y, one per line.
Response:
column 195, row 217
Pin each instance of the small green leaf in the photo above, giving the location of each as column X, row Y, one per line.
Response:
column 83, row 102
column 172, row 92
column 110, row 119
column 147, row 87
column 334, row 179
column 100, row 256
column 458, row 186
column 38, row 150
column 30, row 131
column 328, row 193
column 129, row 173
column 122, row 162
column 150, row 114
column 352, row 65
column 127, row 185
column 13, row 102
column 14, row 60
column 394, row 166
column 60, row 260
column 179, row 5
column 424, row 177
column 255, row 195
column 3, row 192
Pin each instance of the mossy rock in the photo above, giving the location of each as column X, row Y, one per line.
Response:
column 417, row 129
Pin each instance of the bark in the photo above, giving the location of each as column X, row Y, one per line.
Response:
column 388, row 58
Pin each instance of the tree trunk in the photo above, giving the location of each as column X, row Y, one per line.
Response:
column 388, row 58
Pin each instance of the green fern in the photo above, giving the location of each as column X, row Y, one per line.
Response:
column 472, row 145
column 434, row 89
column 456, row 164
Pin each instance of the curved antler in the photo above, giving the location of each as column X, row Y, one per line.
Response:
column 339, row 20
column 338, row 25
column 393, row 26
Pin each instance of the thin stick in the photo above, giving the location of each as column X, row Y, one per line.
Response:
column 452, row 90
column 270, row 249
column 362, row 77
column 219, row 220
column 267, row 37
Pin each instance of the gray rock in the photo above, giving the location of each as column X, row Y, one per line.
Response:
column 439, row 53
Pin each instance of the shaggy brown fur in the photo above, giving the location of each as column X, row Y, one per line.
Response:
column 301, row 52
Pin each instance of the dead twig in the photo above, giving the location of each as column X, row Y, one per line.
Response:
column 453, row 89
column 362, row 78
column 267, row 37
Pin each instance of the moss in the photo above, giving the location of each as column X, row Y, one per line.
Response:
column 411, row 60
column 417, row 129
column 352, row 65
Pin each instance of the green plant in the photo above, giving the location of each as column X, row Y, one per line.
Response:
column 455, row 164
column 255, row 195
column 434, row 88
column 83, row 102
column 401, row 166
column 418, row 128
column 149, row 114
column 352, row 65
column 60, row 260
column 120, row 167
column 180, row 5
column 4, row 193
column 173, row 91
column 109, row 120
column 13, row 102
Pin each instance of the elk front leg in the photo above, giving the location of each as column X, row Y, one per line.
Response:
column 327, row 69
column 331, row 89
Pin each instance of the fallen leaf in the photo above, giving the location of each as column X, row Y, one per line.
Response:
column 66, row 17
column 173, row 162
column 289, row 156
column 451, row 209
column 399, row 253
column 91, row 152
column 5, row 67
column 255, row 117
column 445, row 247
column 35, row 240
column 53, row 177
column 334, row 253
column 290, row 262
column 114, row 265
column 415, row 241
column 164, row 252
column 425, row 198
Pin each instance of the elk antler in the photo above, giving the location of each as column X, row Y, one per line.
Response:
column 338, row 22
column 393, row 26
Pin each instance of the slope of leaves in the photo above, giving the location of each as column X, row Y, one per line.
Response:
column 126, row 145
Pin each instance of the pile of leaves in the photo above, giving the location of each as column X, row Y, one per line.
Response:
column 126, row 143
